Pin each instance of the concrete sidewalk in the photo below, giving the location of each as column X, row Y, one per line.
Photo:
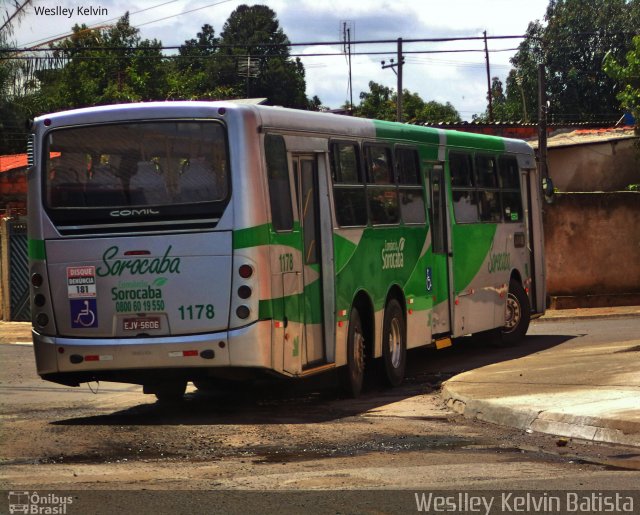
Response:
column 587, row 392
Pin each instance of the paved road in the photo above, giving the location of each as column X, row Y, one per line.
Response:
column 298, row 441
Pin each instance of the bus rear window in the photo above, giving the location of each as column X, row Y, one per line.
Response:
column 126, row 165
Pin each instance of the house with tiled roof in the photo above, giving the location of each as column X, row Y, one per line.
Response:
column 13, row 184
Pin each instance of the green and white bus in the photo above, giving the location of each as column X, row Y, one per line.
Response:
column 198, row 241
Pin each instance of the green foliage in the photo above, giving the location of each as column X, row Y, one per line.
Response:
column 13, row 115
column 113, row 65
column 573, row 44
column 506, row 107
column 250, row 59
column 104, row 67
column 380, row 103
column 628, row 76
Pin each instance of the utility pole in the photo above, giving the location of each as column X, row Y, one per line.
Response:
column 393, row 65
column 346, row 38
column 486, row 56
column 542, row 123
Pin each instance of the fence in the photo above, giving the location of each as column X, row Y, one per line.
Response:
column 14, row 270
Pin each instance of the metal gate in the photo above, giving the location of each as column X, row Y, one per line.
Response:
column 18, row 271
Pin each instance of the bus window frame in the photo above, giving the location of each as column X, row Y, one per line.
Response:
column 417, row 187
column 511, row 191
column 345, row 186
column 482, row 189
column 372, row 186
column 292, row 210
column 471, row 187
column 100, row 216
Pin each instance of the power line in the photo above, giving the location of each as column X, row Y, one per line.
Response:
column 180, row 14
column 45, row 40
column 16, row 12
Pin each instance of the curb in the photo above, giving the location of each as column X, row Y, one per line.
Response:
column 562, row 424
column 559, row 316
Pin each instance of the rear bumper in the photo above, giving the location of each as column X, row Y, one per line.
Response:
column 82, row 357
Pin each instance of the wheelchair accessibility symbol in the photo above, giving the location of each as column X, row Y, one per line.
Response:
column 84, row 313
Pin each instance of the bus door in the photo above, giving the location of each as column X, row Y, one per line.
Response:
column 532, row 206
column 312, row 300
column 439, row 278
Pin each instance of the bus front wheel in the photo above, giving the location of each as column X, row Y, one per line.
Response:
column 517, row 315
column 394, row 345
column 353, row 373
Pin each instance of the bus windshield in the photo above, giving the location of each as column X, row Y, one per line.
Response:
column 142, row 164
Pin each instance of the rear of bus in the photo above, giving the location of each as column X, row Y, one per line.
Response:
column 133, row 272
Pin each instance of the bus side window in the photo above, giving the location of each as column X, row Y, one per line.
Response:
column 509, row 175
column 382, row 192
column 464, row 195
column 348, row 184
column 278, row 177
column 411, row 196
column 487, row 182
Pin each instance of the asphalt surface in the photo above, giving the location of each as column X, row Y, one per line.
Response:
column 587, row 392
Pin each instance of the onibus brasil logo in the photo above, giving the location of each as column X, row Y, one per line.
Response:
column 38, row 504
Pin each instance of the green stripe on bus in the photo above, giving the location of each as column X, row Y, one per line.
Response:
column 37, row 250
column 475, row 141
column 471, row 245
column 400, row 131
column 251, row 237
column 264, row 235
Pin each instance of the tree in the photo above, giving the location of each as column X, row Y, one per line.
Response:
column 103, row 66
column 254, row 58
column 193, row 74
column 435, row 112
column 380, row 103
column 628, row 76
column 505, row 107
column 13, row 133
column 572, row 45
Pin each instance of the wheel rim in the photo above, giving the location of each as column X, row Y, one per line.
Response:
column 513, row 313
column 395, row 343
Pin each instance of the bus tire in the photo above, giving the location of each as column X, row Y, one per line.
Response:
column 353, row 373
column 171, row 392
column 517, row 315
column 394, row 345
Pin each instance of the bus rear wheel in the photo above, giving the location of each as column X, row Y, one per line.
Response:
column 394, row 345
column 517, row 315
column 353, row 373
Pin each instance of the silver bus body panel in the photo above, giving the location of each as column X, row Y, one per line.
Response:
column 171, row 277
column 243, row 347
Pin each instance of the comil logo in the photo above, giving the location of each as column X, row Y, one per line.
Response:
column 393, row 254
column 38, row 504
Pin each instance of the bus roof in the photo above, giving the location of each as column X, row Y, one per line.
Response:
column 298, row 120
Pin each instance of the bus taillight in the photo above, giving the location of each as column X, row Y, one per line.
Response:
column 245, row 271
column 36, row 280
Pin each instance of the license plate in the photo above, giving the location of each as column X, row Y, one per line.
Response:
column 141, row 323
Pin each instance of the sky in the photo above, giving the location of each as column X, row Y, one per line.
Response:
column 458, row 78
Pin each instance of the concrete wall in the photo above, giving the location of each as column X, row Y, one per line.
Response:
column 592, row 244
column 606, row 166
